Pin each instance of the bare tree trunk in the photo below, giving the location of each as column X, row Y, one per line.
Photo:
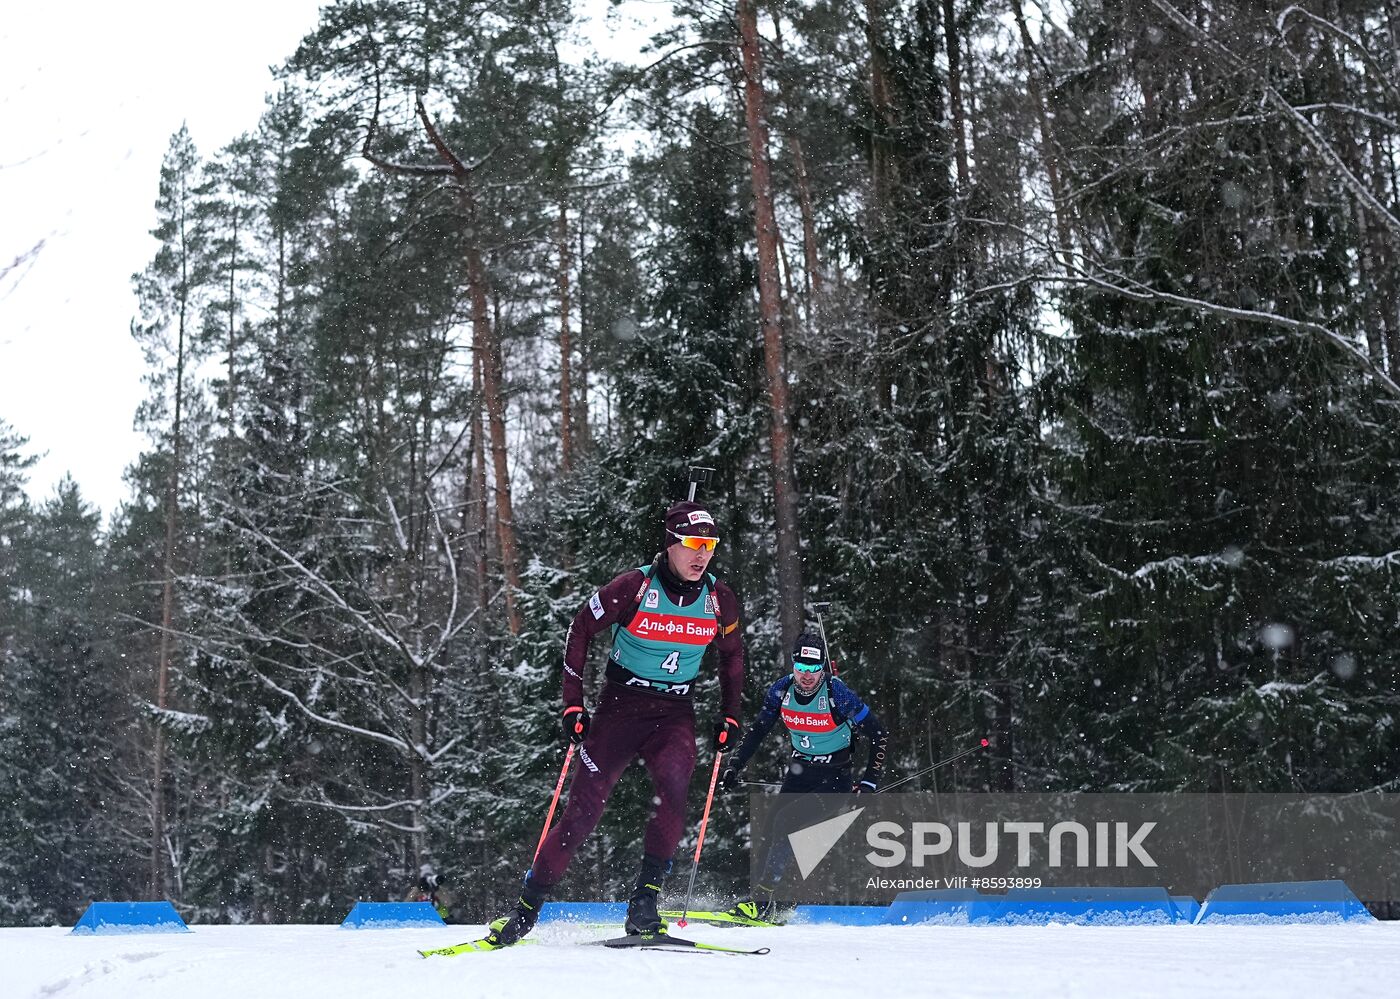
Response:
column 566, row 449
column 281, row 286
column 770, row 312
column 950, row 34
column 786, row 270
column 1047, row 139
column 1383, row 255
column 476, row 491
column 967, row 66
column 881, row 181
column 812, row 277
column 167, row 610
column 488, row 339
column 809, row 229
column 580, row 412
column 233, row 330
column 880, row 102
column 417, row 776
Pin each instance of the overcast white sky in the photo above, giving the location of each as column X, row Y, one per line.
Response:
column 90, row 92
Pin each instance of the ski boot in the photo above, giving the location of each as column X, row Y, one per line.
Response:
column 760, row 907
column 511, row 927
column 642, row 917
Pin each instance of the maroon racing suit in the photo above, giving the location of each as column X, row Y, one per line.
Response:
column 633, row 721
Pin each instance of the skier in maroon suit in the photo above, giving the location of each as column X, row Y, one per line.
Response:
column 662, row 618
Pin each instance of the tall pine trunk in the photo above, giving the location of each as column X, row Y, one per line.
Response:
column 1049, row 157
column 580, row 412
column 789, row 567
column 883, row 122
column 167, row 609
column 486, row 340
column 477, row 512
column 812, row 277
column 566, row 419
column 955, row 100
column 486, row 343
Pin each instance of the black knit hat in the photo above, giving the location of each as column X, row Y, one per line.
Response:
column 809, row 649
column 687, row 517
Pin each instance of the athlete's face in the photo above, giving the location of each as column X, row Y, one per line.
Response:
column 807, row 681
column 689, row 563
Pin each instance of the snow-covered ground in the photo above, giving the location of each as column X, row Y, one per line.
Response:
column 307, row 962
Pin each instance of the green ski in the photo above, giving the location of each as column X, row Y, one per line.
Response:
column 717, row 918
column 470, row 947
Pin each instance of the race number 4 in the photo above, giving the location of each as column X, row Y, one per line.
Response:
column 672, row 663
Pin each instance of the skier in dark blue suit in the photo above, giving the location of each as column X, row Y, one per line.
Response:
column 820, row 714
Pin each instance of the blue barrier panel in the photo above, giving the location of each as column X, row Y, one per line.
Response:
column 1187, row 908
column 131, row 917
column 937, row 905
column 1284, row 902
column 841, row 915
column 584, row 912
column 1081, row 906
column 391, row 916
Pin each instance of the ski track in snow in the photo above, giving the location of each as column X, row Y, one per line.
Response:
column 309, row 962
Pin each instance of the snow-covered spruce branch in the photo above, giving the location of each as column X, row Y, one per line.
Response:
column 1352, row 109
column 337, row 806
column 1113, row 282
column 1356, row 44
column 1152, row 144
column 411, row 830
column 389, row 740
column 418, row 660
column 374, row 679
column 442, row 795
column 447, row 631
column 363, row 618
column 1308, row 130
column 1175, row 565
column 1390, row 560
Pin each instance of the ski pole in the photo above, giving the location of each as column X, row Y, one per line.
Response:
column 940, row 763
column 698, row 474
column 821, row 608
column 558, row 789
column 759, row 783
column 700, row 841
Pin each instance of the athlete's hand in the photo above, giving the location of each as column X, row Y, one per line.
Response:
column 575, row 724
column 726, row 734
column 729, row 779
column 866, row 786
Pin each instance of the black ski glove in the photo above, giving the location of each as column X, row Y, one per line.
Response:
column 575, row 724
column 870, row 781
column 726, row 734
column 729, row 779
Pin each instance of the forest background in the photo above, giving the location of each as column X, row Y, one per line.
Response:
column 1055, row 344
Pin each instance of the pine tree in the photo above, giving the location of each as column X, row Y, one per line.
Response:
column 57, row 730
column 1210, row 577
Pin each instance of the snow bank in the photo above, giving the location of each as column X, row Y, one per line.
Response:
column 311, row 962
